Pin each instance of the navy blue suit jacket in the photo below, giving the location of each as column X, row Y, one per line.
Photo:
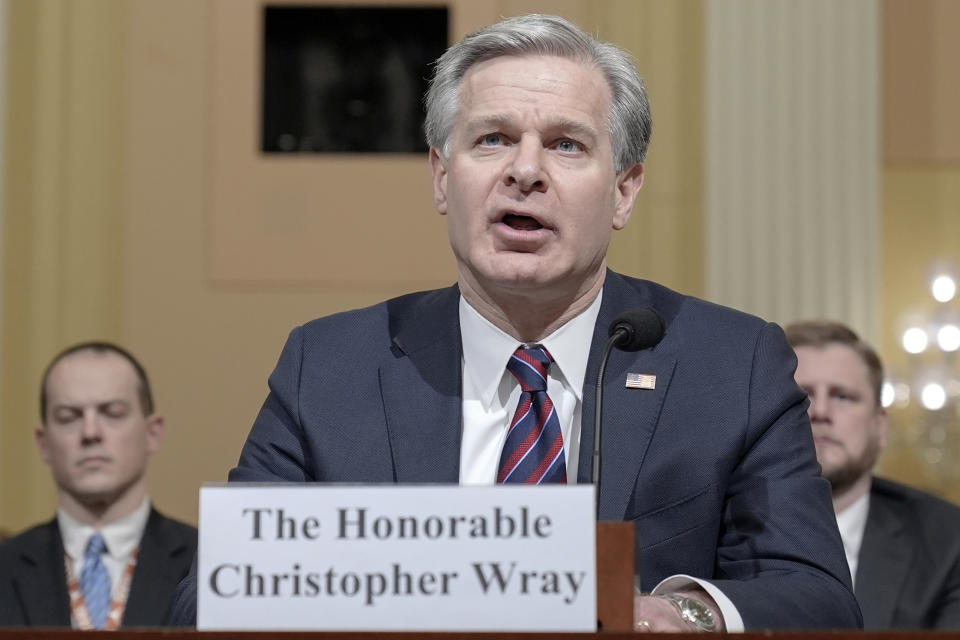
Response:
column 33, row 583
column 715, row 466
column 908, row 571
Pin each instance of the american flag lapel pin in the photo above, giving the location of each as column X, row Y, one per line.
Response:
column 641, row 381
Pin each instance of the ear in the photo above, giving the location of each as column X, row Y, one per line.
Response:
column 629, row 183
column 40, row 436
column 156, row 429
column 438, row 167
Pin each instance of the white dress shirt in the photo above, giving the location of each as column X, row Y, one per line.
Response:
column 122, row 538
column 491, row 394
column 852, row 522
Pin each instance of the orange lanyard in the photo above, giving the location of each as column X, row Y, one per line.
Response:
column 78, row 606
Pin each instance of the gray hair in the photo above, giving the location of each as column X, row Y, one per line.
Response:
column 629, row 120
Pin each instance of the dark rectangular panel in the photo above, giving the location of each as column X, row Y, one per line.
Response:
column 348, row 79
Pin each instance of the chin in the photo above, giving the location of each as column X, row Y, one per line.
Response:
column 840, row 472
column 828, row 473
column 512, row 282
column 96, row 495
column 511, row 270
column 530, row 276
column 831, row 467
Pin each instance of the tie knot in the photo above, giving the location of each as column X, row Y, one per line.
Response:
column 96, row 545
column 529, row 366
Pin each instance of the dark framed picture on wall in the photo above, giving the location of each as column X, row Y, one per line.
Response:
column 346, row 78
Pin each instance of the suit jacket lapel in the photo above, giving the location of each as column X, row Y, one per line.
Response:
column 421, row 390
column 41, row 580
column 883, row 563
column 629, row 415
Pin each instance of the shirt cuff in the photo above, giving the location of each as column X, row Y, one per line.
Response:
column 731, row 617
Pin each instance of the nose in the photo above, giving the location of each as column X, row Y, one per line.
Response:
column 526, row 167
column 819, row 409
column 92, row 430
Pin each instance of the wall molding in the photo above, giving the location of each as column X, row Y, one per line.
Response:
column 793, row 159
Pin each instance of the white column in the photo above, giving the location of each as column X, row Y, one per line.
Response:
column 793, row 159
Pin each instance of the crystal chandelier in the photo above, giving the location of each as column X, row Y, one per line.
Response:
column 926, row 393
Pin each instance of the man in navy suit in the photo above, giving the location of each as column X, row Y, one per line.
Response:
column 98, row 430
column 538, row 135
column 903, row 545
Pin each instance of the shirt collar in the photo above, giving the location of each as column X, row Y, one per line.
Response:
column 854, row 517
column 121, row 536
column 852, row 522
column 487, row 349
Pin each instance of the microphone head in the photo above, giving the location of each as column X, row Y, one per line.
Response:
column 639, row 329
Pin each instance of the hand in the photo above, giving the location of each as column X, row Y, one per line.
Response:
column 655, row 614
column 658, row 614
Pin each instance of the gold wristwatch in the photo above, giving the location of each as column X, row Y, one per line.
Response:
column 693, row 611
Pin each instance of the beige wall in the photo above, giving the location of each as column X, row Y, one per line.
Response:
column 793, row 139
column 922, row 227
column 107, row 225
column 921, row 214
column 62, row 248
column 106, row 209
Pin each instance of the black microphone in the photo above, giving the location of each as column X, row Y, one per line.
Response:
column 632, row 330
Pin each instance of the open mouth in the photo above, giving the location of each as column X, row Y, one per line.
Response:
column 521, row 223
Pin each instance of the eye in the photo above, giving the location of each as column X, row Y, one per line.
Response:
column 66, row 415
column 569, row 146
column 845, row 396
column 491, row 140
column 115, row 410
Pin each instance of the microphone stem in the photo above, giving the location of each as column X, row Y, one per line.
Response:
column 598, row 412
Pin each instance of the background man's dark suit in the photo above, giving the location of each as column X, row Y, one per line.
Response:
column 33, row 587
column 716, row 466
column 908, row 572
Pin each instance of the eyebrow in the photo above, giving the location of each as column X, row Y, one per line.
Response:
column 831, row 388
column 844, row 389
column 73, row 405
column 572, row 128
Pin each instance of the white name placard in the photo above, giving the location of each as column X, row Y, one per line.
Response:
column 415, row 558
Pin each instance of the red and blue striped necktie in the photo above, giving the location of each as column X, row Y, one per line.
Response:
column 533, row 451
